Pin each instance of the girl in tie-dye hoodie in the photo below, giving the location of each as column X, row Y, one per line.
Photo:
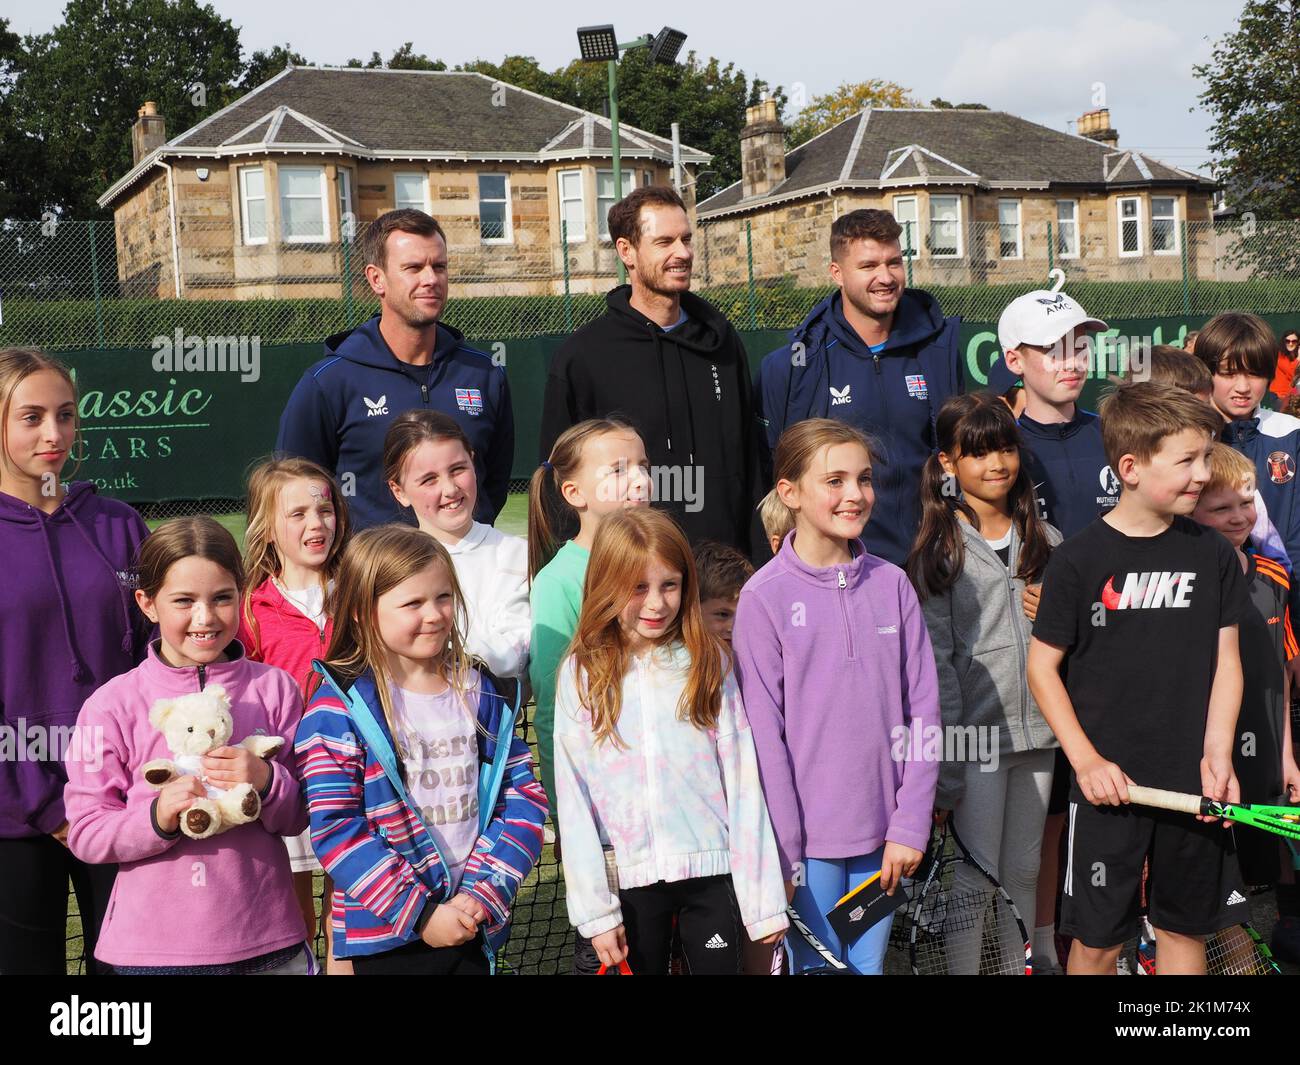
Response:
column 655, row 768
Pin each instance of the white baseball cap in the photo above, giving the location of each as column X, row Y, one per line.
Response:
column 1041, row 318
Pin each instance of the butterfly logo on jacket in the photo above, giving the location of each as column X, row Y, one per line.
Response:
column 840, row 396
column 376, row 407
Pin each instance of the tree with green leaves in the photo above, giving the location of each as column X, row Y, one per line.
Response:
column 706, row 98
column 940, row 104
column 404, row 58
column 80, row 85
column 843, row 102
column 262, row 66
column 1252, row 88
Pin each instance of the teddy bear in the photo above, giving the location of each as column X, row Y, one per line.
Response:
column 193, row 725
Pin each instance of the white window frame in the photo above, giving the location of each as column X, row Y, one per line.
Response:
column 509, row 237
column 1172, row 218
column 423, row 177
column 961, row 250
column 580, row 200
column 1137, row 222
column 243, row 205
column 914, row 221
column 344, row 177
column 1074, row 222
column 323, row 197
column 602, row 217
column 1020, row 238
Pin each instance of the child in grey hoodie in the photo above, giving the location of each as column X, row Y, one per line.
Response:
column 980, row 543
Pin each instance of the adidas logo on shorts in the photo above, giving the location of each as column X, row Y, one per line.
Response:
column 716, row 943
column 1235, row 898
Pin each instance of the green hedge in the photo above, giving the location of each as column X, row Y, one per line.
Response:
column 71, row 324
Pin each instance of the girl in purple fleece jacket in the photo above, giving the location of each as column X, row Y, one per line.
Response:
column 838, row 680
column 220, row 905
column 67, row 625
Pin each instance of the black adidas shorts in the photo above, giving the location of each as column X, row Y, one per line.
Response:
column 1194, row 886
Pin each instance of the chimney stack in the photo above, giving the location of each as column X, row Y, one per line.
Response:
column 762, row 150
column 149, row 131
column 1095, row 125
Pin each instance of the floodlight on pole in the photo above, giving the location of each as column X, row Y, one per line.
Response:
column 597, row 44
column 667, row 43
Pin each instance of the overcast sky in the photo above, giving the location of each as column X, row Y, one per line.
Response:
column 1042, row 61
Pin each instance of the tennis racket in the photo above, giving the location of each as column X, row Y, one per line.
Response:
column 1280, row 820
column 963, row 922
column 832, row 966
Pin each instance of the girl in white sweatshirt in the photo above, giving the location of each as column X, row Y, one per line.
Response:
column 655, row 770
column 429, row 465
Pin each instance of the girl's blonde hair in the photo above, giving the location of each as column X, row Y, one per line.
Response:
column 624, row 547
column 261, row 560
column 800, row 443
column 376, row 561
column 200, row 537
column 16, row 365
column 545, row 503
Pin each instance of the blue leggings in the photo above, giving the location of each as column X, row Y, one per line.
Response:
column 826, row 881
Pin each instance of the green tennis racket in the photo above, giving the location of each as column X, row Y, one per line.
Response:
column 1280, row 820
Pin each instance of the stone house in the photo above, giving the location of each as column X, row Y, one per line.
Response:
column 250, row 203
column 984, row 198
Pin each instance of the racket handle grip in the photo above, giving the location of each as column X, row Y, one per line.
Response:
column 1165, row 800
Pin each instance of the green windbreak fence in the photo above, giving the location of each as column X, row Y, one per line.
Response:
column 151, row 434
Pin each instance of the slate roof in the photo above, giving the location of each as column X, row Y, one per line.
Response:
column 402, row 114
column 883, row 147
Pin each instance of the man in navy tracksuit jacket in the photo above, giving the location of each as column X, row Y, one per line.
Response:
column 343, row 405
column 892, row 390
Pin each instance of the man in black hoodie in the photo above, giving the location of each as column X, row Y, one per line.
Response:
column 672, row 365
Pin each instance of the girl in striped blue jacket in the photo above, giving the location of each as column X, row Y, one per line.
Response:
column 424, row 810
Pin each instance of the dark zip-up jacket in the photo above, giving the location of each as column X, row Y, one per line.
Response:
column 341, row 409
column 893, row 394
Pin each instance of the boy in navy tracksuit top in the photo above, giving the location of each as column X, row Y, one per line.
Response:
column 1041, row 337
column 341, row 409
column 876, row 356
column 1241, row 352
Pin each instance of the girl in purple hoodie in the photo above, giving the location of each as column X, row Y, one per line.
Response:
column 66, row 627
column 216, row 904
column 838, row 679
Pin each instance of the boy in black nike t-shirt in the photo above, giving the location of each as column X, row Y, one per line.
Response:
column 1142, row 608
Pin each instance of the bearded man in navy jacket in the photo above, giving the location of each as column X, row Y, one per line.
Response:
column 402, row 358
column 875, row 355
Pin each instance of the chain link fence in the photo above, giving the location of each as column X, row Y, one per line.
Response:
column 67, row 285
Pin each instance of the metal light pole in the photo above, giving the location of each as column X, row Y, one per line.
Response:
column 600, row 43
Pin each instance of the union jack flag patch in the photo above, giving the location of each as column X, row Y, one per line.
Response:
column 916, row 387
column 470, row 400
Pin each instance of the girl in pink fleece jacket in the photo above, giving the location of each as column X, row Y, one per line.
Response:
column 222, row 905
